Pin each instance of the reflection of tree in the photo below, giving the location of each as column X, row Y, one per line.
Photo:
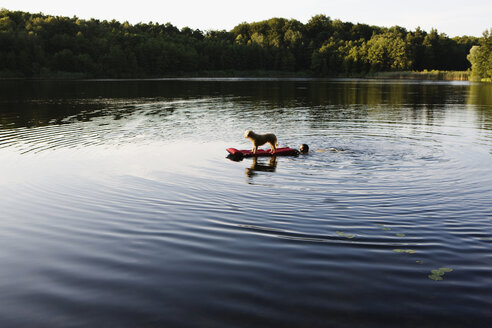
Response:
column 30, row 103
column 363, row 100
column 292, row 102
column 480, row 96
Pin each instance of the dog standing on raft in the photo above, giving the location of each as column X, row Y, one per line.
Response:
column 261, row 139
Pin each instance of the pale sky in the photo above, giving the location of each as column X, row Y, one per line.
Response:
column 453, row 17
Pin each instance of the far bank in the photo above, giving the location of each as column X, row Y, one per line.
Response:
column 433, row 75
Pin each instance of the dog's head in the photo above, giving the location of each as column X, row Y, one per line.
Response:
column 248, row 133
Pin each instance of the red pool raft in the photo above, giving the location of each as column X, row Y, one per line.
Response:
column 286, row 151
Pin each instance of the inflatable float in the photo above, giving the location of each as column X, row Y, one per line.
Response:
column 239, row 154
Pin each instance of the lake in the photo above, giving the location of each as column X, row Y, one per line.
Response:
column 119, row 207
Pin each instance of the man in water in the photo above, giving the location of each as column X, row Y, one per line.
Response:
column 304, row 149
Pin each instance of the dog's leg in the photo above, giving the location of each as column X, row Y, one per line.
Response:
column 255, row 148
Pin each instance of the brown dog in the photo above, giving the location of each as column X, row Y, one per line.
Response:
column 261, row 139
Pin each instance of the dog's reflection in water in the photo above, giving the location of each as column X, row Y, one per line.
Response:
column 261, row 166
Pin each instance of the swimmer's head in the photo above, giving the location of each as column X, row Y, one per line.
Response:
column 304, row 149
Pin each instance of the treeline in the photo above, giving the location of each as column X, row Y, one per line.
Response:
column 33, row 45
column 481, row 58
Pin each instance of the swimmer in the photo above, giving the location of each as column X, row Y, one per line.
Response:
column 304, row 149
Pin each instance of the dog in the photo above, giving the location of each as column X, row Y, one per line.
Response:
column 261, row 139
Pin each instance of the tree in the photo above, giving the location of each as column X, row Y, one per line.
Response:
column 480, row 57
column 388, row 52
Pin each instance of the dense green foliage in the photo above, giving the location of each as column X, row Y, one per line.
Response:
column 41, row 45
column 481, row 58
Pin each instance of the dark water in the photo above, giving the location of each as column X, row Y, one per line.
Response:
column 119, row 208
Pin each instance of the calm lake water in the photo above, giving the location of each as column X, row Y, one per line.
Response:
column 119, row 207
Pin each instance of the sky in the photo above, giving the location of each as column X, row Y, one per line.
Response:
column 453, row 17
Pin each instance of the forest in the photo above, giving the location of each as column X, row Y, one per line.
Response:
column 38, row 45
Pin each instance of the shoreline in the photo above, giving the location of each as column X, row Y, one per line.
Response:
column 397, row 75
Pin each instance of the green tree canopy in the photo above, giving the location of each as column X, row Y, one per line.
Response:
column 480, row 57
column 44, row 45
